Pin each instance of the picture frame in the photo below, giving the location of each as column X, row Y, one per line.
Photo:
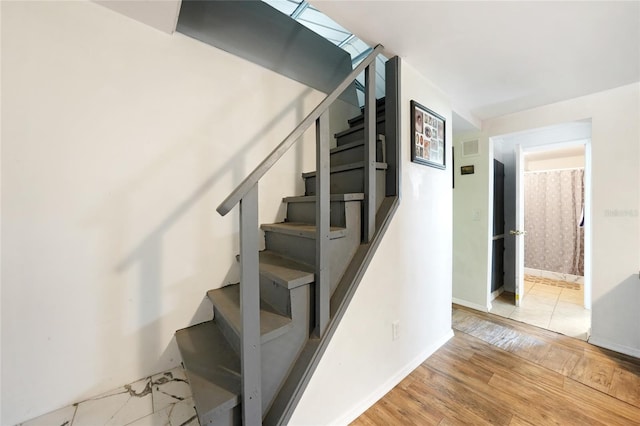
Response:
column 428, row 140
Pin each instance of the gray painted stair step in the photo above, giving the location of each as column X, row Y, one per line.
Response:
column 357, row 132
column 303, row 208
column 213, row 370
column 355, row 196
column 380, row 112
column 348, row 178
column 356, row 128
column 354, row 151
column 226, row 302
column 284, row 271
column 304, row 230
column 345, row 168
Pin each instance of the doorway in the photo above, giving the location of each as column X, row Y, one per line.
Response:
column 547, row 295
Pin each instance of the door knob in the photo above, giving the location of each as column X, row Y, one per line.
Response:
column 516, row 232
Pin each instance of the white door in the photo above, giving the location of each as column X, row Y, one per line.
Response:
column 519, row 233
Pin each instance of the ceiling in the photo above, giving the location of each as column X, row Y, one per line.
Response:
column 495, row 58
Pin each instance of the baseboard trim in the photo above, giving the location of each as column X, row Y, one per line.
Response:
column 604, row 343
column 381, row 391
column 576, row 279
column 497, row 293
column 471, row 305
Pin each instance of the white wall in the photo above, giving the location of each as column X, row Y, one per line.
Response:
column 409, row 280
column 118, row 143
column 615, row 162
column 472, row 224
column 573, row 162
column 162, row 15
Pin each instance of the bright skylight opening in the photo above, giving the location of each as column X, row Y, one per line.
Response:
column 321, row 24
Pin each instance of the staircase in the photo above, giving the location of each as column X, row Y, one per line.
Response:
column 290, row 331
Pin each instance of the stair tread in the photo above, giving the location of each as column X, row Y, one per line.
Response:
column 354, row 196
column 356, row 128
column 351, row 145
column 345, row 167
column 227, row 301
column 284, row 271
column 212, row 367
column 380, row 110
column 300, row 229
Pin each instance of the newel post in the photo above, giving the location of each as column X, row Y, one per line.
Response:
column 250, row 310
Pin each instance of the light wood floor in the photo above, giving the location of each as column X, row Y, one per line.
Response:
column 501, row 372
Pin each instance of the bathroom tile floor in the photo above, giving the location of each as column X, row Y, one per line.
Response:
column 550, row 304
column 160, row 400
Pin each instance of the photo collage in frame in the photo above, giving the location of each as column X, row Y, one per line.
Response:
column 427, row 136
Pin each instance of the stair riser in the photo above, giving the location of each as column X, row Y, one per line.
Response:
column 291, row 246
column 344, row 182
column 306, row 212
column 276, row 296
column 354, row 155
column 359, row 135
column 360, row 119
column 212, row 369
column 231, row 417
column 341, row 250
column 279, row 354
column 227, row 331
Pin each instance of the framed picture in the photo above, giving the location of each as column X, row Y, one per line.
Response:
column 428, row 144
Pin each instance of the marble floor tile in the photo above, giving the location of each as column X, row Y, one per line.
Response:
column 183, row 413
column 159, row 418
column 161, row 400
column 169, row 388
column 116, row 408
column 61, row 417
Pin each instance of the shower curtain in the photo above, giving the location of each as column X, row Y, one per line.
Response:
column 552, row 214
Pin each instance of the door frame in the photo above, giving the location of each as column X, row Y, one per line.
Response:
column 519, row 258
column 520, row 151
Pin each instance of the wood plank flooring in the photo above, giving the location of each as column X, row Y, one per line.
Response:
column 496, row 371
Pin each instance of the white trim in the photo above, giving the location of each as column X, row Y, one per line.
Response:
column 497, row 293
column 471, row 305
column 575, row 279
column 604, row 343
column 381, row 391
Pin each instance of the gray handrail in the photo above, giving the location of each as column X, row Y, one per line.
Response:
column 248, row 183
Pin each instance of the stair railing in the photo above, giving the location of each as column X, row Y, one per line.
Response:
column 247, row 195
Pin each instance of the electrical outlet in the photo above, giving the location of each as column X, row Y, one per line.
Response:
column 395, row 330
